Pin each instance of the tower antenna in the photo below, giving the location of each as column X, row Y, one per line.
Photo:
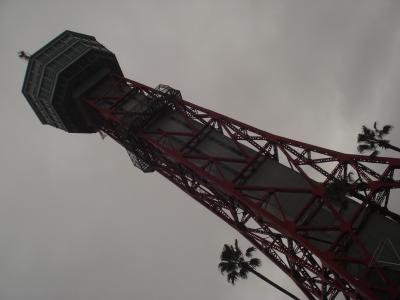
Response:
column 24, row 55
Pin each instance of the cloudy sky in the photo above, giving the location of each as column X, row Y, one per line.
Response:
column 77, row 221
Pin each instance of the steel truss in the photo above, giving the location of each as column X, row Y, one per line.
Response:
column 320, row 274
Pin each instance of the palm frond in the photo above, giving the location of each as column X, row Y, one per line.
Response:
column 384, row 144
column 222, row 266
column 369, row 133
column 361, row 138
column 386, row 129
column 249, row 251
column 232, row 277
column 243, row 273
column 364, row 147
column 227, row 266
column 227, row 253
column 255, row 262
column 237, row 249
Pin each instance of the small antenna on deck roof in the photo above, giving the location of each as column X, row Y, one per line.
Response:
column 23, row 55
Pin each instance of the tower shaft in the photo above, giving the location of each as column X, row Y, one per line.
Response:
column 273, row 190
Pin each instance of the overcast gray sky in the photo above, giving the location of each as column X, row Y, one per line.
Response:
column 77, row 221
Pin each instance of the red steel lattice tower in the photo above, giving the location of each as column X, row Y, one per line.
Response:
column 320, row 215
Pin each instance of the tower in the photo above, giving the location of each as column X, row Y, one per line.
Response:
column 319, row 215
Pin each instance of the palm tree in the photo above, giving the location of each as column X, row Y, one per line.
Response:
column 372, row 139
column 235, row 265
column 338, row 190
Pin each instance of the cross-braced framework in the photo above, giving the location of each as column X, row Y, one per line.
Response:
column 324, row 259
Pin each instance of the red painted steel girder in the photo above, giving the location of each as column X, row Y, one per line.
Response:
column 320, row 274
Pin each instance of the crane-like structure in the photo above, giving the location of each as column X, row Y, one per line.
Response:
column 320, row 215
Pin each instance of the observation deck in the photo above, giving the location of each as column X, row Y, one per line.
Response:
column 60, row 73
